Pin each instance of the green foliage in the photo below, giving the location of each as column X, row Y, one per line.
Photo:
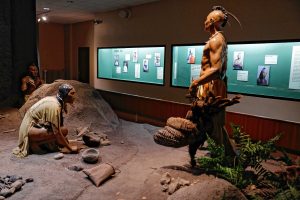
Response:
column 251, row 153
column 246, row 168
column 291, row 193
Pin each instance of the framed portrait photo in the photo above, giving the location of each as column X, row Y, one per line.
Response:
column 191, row 56
column 116, row 60
column 238, row 60
column 145, row 65
column 125, row 66
column 157, row 59
column 263, row 75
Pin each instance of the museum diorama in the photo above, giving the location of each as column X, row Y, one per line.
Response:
column 65, row 140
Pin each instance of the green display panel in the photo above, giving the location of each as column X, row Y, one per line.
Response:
column 137, row 64
column 270, row 69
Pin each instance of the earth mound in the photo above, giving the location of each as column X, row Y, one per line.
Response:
column 89, row 108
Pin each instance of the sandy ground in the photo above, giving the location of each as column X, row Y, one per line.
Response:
column 138, row 160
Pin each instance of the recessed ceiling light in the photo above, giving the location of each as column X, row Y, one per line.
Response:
column 44, row 18
column 46, row 8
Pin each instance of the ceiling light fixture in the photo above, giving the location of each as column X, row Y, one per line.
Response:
column 42, row 16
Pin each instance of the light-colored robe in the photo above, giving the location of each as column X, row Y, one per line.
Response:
column 47, row 109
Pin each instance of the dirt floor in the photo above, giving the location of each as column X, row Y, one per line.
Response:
column 139, row 162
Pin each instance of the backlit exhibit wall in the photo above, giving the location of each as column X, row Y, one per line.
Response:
column 264, row 69
column 136, row 64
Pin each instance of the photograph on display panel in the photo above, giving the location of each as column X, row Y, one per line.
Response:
column 135, row 64
column 238, row 60
column 263, row 74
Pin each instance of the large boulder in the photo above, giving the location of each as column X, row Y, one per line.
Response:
column 210, row 189
column 89, row 108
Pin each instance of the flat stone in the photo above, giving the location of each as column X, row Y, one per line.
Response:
column 76, row 168
column 2, row 197
column 58, row 156
column 105, row 142
column 17, row 184
column 28, row 180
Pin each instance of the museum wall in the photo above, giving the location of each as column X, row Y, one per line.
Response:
column 80, row 35
column 58, row 48
column 175, row 21
column 51, row 46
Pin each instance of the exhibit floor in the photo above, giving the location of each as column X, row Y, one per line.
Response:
column 137, row 158
column 141, row 164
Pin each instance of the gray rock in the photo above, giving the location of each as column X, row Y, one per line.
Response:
column 2, row 197
column 76, row 168
column 28, row 180
column 13, row 178
column 5, row 192
column 58, row 156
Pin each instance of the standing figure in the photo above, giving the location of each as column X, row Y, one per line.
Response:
column 213, row 74
column 42, row 127
column 31, row 81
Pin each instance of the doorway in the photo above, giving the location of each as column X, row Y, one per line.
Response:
column 84, row 64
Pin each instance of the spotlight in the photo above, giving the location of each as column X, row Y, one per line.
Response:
column 44, row 18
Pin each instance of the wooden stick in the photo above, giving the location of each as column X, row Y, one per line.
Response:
column 8, row 131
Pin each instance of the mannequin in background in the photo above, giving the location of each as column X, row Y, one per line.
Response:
column 31, row 81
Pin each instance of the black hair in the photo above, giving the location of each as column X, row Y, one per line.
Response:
column 221, row 8
column 63, row 91
column 226, row 13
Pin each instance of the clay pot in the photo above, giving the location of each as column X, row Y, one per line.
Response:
column 90, row 155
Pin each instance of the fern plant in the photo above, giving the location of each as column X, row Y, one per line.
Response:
column 291, row 193
column 250, row 154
